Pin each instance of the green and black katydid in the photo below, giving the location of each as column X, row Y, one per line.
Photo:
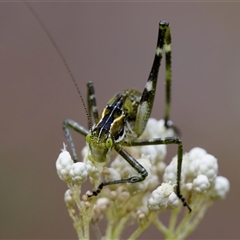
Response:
column 125, row 116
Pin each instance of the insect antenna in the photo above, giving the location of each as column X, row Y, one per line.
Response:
column 62, row 58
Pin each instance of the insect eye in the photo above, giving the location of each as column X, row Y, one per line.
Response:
column 109, row 143
column 88, row 138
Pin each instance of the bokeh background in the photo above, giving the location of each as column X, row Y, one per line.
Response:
column 111, row 44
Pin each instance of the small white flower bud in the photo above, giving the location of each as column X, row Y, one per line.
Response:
column 79, row 172
column 155, row 128
column 68, row 198
column 123, row 196
column 102, row 204
column 156, row 202
column 192, row 166
column 155, row 152
column 113, row 195
column 221, row 187
column 87, row 204
column 153, row 181
column 149, row 151
column 197, row 152
column 188, row 187
column 100, row 208
column 63, row 165
column 163, row 197
column 94, row 170
column 208, row 166
column 167, row 189
column 140, row 215
column 201, row 183
column 170, row 172
column 159, row 168
column 161, row 152
column 173, row 200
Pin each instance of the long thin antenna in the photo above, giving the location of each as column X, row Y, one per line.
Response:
column 61, row 56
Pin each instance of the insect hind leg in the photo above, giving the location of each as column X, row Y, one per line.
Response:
column 168, row 81
column 147, row 98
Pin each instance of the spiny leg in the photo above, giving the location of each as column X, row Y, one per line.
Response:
column 147, row 98
column 69, row 123
column 168, row 140
column 92, row 103
column 133, row 162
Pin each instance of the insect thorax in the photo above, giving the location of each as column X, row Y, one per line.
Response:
column 118, row 118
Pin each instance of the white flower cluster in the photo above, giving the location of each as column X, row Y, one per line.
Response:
column 69, row 171
column 199, row 173
column 163, row 197
column 200, row 184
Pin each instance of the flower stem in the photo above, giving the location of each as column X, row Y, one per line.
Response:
column 160, row 226
column 173, row 218
column 139, row 230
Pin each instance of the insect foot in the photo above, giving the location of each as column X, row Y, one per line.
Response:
column 170, row 125
column 95, row 193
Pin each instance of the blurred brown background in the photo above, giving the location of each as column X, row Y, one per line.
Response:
column 112, row 44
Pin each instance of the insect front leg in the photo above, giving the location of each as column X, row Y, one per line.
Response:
column 133, row 162
column 167, row 141
column 92, row 103
column 69, row 123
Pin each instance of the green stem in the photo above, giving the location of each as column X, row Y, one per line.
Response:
column 141, row 228
column 196, row 220
column 117, row 218
column 160, row 226
column 119, row 227
column 85, row 225
column 138, row 231
column 87, row 217
column 75, row 220
column 173, row 218
column 186, row 221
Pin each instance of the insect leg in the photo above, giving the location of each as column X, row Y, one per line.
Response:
column 92, row 103
column 168, row 81
column 92, row 113
column 168, row 76
column 147, row 98
column 134, row 163
column 168, row 140
column 69, row 123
